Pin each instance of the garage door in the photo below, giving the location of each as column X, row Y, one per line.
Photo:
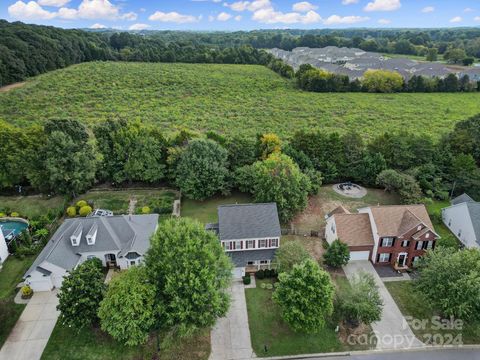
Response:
column 359, row 255
column 238, row 272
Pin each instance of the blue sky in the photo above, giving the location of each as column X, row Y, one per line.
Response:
column 243, row 14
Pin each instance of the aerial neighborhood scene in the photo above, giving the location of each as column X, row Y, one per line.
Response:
column 229, row 180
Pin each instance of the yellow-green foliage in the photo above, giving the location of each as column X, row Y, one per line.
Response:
column 270, row 143
column 2, row 214
column 85, row 210
column 238, row 99
column 382, row 81
column 145, row 210
column 81, row 203
column 71, row 211
column 14, row 214
column 27, row 290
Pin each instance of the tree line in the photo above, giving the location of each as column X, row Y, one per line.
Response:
column 30, row 50
column 310, row 78
column 65, row 157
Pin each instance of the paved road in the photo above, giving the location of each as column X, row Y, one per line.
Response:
column 392, row 330
column 33, row 329
column 230, row 337
column 447, row 354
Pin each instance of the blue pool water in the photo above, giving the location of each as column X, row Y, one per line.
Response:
column 11, row 228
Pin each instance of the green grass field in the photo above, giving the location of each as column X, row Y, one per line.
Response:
column 32, row 206
column 227, row 98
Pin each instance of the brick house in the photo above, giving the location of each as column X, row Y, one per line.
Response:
column 394, row 235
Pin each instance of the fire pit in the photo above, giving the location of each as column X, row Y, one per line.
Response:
column 350, row 189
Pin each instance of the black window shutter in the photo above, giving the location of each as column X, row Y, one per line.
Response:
column 378, row 258
column 381, row 242
column 389, row 257
column 393, row 242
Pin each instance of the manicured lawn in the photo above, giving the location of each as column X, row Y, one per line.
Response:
column 240, row 99
column 412, row 303
column 93, row 344
column 10, row 275
column 32, row 206
column 118, row 200
column 268, row 328
column 206, row 211
column 435, row 211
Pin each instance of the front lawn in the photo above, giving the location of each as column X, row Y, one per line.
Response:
column 10, row 275
column 206, row 211
column 412, row 303
column 93, row 344
column 32, row 206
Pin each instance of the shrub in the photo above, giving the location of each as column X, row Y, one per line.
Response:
column 2, row 214
column 247, row 279
column 27, row 292
column 263, row 285
column 145, row 210
column 14, row 214
column 337, row 254
column 269, row 286
column 81, row 203
column 85, row 210
column 71, row 211
column 267, row 273
column 260, row 274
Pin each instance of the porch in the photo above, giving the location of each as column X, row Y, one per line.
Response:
column 253, row 268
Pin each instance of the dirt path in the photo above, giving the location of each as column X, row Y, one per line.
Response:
column 11, row 86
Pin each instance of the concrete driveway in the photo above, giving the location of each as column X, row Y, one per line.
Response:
column 230, row 337
column 392, row 330
column 33, row 329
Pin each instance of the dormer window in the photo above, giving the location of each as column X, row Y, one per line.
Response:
column 419, row 227
column 427, row 235
column 92, row 235
column 76, row 236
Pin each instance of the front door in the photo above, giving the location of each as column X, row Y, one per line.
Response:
column 402, row 259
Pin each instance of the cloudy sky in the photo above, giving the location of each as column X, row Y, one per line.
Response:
column 242, row 15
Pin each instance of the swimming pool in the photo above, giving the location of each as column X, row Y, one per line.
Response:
column 11, row 228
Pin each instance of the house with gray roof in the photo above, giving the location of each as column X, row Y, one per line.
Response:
column 118, row 241
column 463, row 220
column 249, row 233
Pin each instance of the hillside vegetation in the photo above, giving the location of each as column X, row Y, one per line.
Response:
column 227, row 98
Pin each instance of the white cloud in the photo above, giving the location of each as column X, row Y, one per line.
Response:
column 384, row 21
column 456, row 19
column 138, row 26
column 428, row 9
column 67, row 14
column 383, row 5
column 98, row 9
column 467, row 10
column 303, row 6
column 173, row 16
column 223, row 16
column 130, row 16
column 476, row 18
column 54, row 3
column 98, row 26
column 238, row 17
column 29, row 11
column 349, row 2
column 249, row 5
column 270, row 16
column 335, row 19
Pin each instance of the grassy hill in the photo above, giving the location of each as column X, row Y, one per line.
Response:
column 227, row 98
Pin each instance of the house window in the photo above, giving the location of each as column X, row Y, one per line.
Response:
column 427, row 235
column 250, row 262
column 74, row 242
column 238, row 245
column 262, row 243
column 264, row 262
column 387, row 242
column 132, row 263
column 419, row 245
column 250, row 244
column 274, row 242
column 415, row 260
column 419, row 227
column 429, row 245
column 405, row 243
column 333, row 228
column 385, row 257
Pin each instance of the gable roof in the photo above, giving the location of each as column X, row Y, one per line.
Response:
column 338, row 210
column 248, row 221
column 394, row 220
column 461, row 199
column 354, row 229
column 118, row 234
column 474, row 211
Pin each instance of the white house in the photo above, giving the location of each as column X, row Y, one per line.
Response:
column 3, row 249
column 118, row 241
column 463, row 220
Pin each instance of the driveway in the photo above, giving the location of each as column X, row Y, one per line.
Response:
column 33, row 329
column 392, row 330
column 230, row 337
